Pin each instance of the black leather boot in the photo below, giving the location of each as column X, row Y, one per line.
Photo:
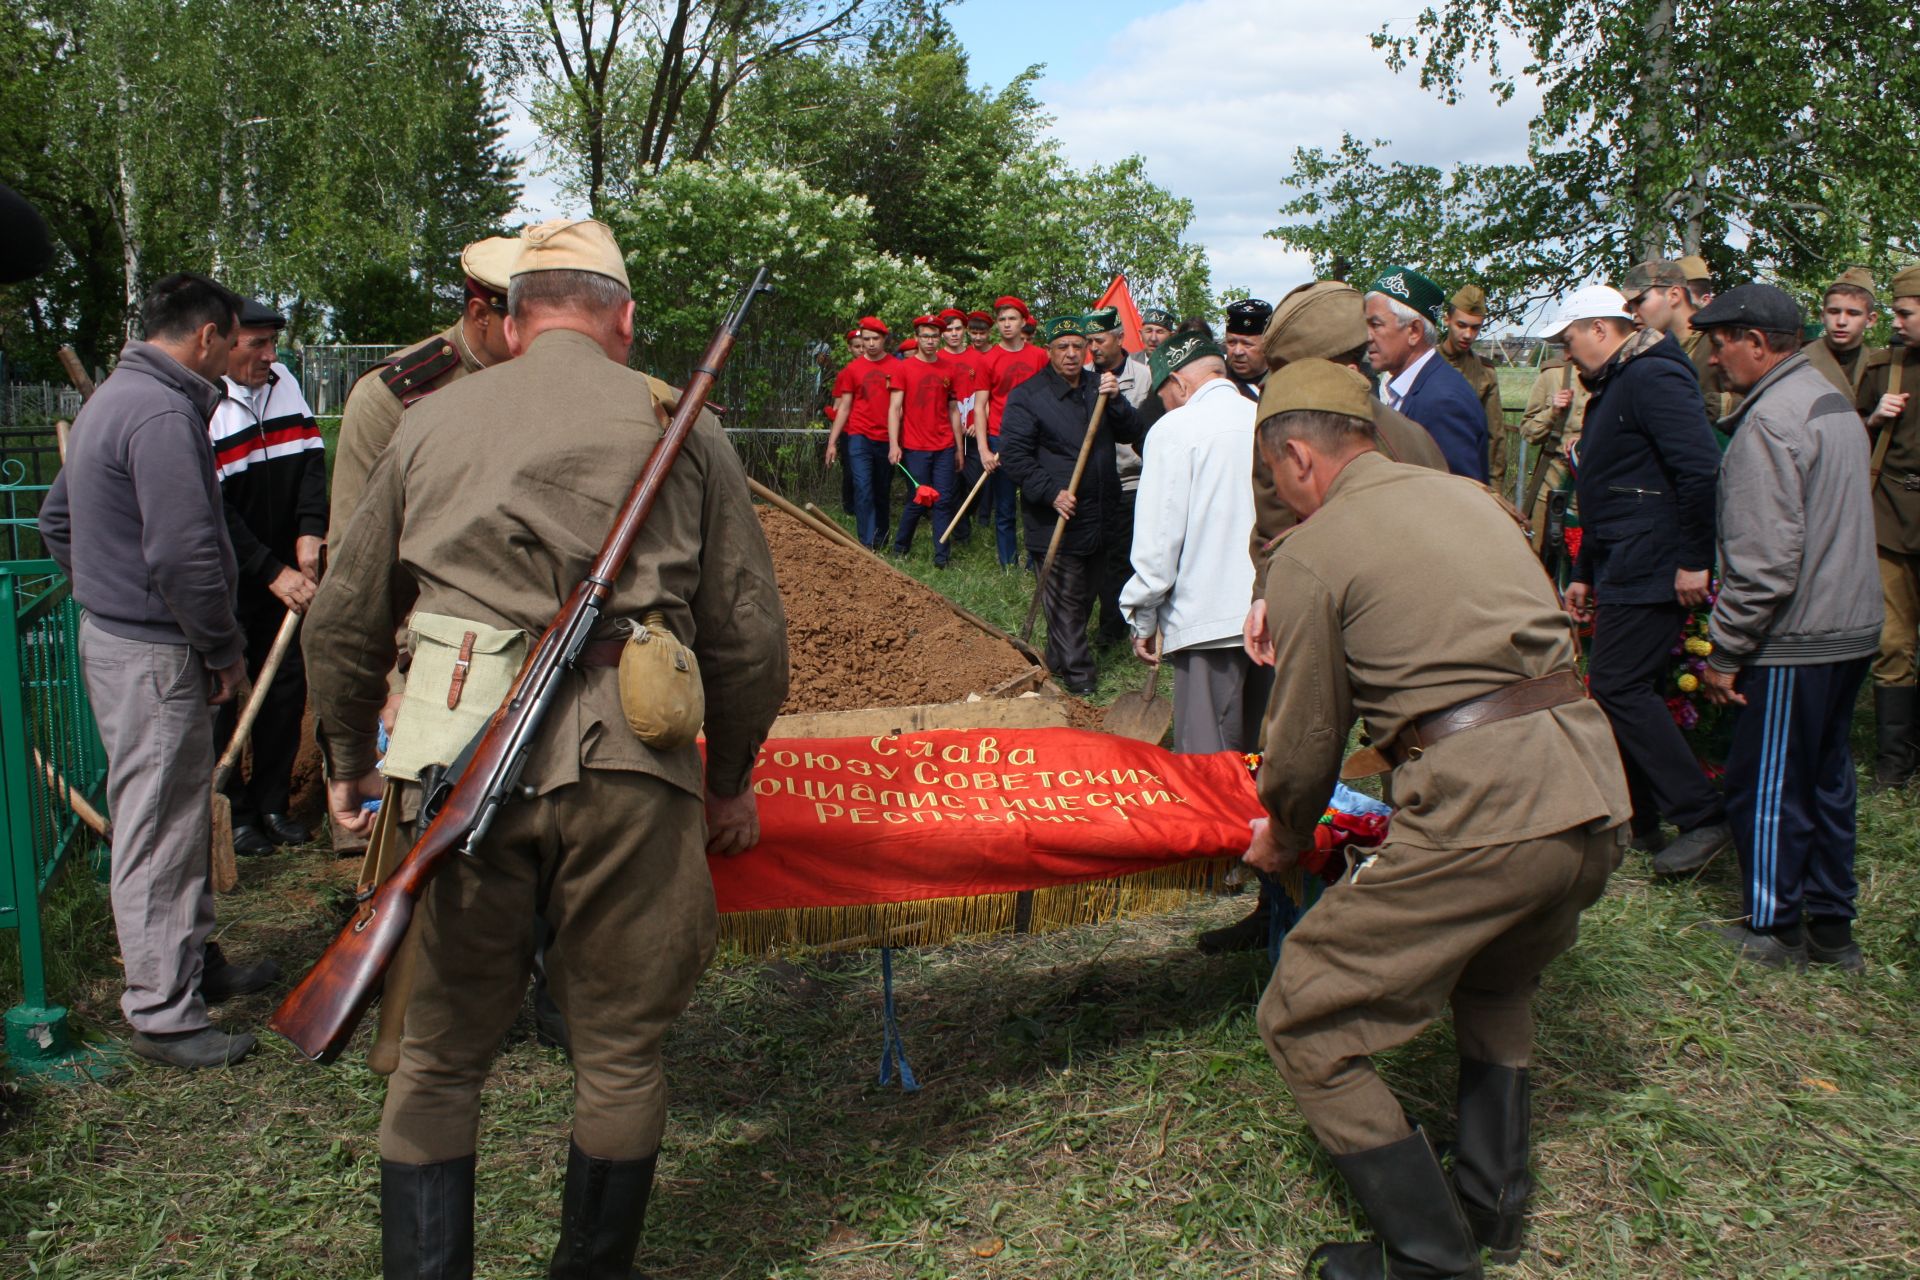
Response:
column 1490, row 1157
column 600, row 1217
column 426, row 1220
column 1249, row 934
column 1420, row 1232
column 1893, row 719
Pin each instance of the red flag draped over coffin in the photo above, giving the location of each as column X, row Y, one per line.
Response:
column 964, row 812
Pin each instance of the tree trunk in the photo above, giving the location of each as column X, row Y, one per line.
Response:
column 1649, row 238
column 126, row 214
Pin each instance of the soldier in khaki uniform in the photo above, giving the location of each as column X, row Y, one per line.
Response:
column 476, row 340
column 1846, row 312
column 1892, row 409
column 1408, row 599
column 1466, row 317
column 1699, row 278
column 1323, row 320
column 493, row 501
column 1659, row 297
column 1556, row 405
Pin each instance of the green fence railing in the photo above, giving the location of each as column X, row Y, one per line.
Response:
column 50, row 758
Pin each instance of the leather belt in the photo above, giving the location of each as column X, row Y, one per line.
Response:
column 1910, row 482
column 1521, row 698
column 602, row 653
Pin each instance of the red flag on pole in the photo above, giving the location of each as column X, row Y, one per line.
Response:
column 1120, row 296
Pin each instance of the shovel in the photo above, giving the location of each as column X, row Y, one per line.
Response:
column 1143, row 716
column 226, row 871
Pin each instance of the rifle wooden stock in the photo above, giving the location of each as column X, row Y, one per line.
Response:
column 320, row 1014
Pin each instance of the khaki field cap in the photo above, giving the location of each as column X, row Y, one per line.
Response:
column 1906, row 284
column 490, row 262
column 1695, row 269
column 1318, row 320
column 1657, row 274
column 1319, row 385
column 571, row 244
column 1854, row 278
column 1471, row 300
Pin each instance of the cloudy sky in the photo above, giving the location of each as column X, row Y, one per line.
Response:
column 1216, row 94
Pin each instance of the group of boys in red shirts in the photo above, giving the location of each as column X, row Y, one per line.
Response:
column 932, row 411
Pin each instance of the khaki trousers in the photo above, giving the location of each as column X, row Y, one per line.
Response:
column 1900, row 633
column 1405, row 932
column 616, row 865
column 150, row 701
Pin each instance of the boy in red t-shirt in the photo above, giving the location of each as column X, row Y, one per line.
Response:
column 863, row 395
column 925, row 424
column 999, row 370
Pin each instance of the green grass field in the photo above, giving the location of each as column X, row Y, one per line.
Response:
column 1096, row 1106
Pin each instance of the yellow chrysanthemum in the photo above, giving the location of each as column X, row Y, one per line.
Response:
column 1688, row 683
column 1699, row 647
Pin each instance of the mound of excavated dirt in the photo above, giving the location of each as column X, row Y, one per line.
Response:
column 862, row 635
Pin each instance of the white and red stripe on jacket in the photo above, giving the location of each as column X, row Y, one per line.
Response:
column 254, row 425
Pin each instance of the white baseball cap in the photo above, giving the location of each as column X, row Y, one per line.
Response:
column 1589, row 302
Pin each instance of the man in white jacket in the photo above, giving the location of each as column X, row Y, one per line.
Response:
column 1191, row 576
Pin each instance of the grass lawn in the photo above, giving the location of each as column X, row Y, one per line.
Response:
column 1096, row 1105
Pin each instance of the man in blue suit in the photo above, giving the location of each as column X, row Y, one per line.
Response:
column 1404, row 312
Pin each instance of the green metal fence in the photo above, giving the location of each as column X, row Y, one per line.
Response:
column 51, row 766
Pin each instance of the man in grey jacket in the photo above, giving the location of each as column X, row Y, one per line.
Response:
column 1795, row 626
column 135, row 521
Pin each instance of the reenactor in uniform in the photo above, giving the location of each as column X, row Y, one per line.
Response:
column 1246, row 368
column 1323, row 320
column 1660, row 297
column 493, row 502
column 476, row 340
column 1486, row 871
column 1466, row 316
column 1556, row 406
column 1889, row 402
column 1699, row 277
column 1846, row 312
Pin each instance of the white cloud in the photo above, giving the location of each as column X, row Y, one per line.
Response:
column 1217, row 94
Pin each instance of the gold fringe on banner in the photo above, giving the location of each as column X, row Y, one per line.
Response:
column 938, row 920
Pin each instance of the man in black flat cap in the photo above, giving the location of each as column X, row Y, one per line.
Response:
column 272, row 467
column 1246, row 357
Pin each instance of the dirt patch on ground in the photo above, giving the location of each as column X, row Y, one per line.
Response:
column 861, row 635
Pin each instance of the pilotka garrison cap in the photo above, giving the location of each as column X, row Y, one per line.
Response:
column 571, row 244
column 1324, row 318
column 1319, row 385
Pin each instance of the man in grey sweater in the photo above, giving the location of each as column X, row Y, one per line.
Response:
column 135, row 521
column 1795, row 625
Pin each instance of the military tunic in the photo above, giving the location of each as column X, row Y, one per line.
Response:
column 492, row 502
column 1720, row 400
column 373, row 408
column 1845, row 369
column 1896, row 511
column 1486, row 385
column 1407, row 593
column 1554, row 435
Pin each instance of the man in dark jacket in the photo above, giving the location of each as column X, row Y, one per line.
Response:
column 1404, row 311
column 1645, row 473
column 134, row 519
column 1041, row 432
column 272, row 466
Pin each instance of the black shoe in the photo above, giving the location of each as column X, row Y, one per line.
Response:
column 1249, row 934
column 1421, row 1234
column 1650, row 841
column 549, row 1024
column 1776, row 951
column 426, row 1220
column 194, row 1050
column 221, row 979
column 1689, row 852
column 1490, row 1155
column 250, row 842
column 284, row 830
column 601, row 1215
column 1894, row 718
column 1081, row 690
column 1830, row 942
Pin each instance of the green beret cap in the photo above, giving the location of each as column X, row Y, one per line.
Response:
column 1177, row 352
column 1105, row 320
column 1160, row 316
column 1405, row 285
column 1656, row 274
column 1319, row 385
column 1062, row 327
column 1906, row 284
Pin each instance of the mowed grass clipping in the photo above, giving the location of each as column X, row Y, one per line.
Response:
column 1096, row 1105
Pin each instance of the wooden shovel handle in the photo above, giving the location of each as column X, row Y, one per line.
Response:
column 972, row 493
column 283, row 641
column 77, row 373
column 1060, row 525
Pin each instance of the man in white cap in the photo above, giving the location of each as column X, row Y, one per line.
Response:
column 1645, row 473
column 493, row 502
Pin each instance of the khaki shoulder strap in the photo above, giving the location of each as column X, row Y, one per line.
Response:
column 1886, row 433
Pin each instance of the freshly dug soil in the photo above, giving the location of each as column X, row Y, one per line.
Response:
column 862, row 635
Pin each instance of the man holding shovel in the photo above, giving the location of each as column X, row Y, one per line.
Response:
column 1047, row 421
